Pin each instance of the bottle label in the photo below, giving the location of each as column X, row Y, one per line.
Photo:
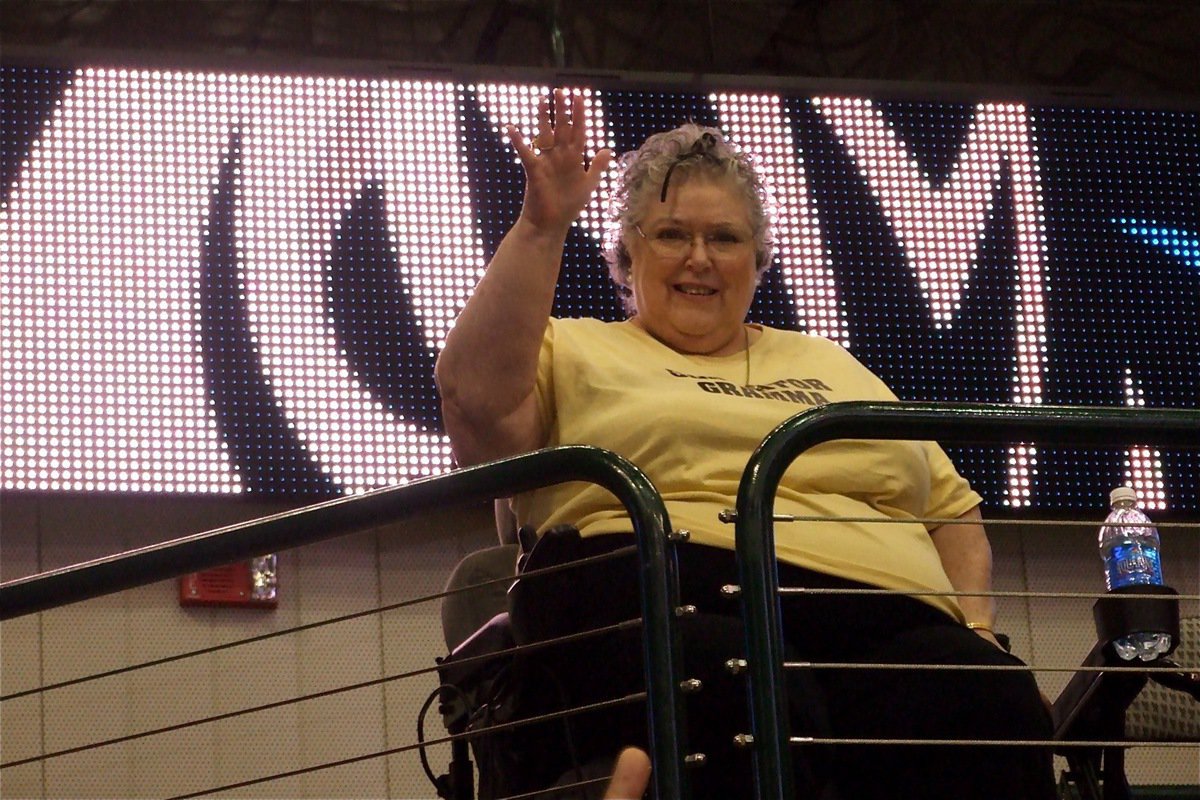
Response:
column 1132, row 563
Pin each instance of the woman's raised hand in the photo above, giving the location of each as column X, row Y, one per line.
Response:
column 558, row 184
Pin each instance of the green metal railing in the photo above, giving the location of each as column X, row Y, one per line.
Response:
column 945, row 422
column 658, row 566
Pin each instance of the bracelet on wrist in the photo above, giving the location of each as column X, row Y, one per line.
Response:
column 1004, row 641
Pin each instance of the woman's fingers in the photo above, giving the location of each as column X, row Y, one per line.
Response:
column 563, row 122
column 579, row 122
column 566, row 127
column 524, row 151
column 599, row 165
column 545, row 135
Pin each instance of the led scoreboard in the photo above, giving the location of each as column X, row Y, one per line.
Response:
column 223, row 282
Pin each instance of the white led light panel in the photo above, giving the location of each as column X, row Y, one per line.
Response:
column 222, row 283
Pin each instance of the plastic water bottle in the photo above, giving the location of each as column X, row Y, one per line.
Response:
column 1129, row 547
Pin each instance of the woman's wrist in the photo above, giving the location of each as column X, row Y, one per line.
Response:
column 551, row 236
column 984, row 631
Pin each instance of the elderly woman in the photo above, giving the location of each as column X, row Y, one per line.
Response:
column 686, row 389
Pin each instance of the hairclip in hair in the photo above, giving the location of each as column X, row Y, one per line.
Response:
column 701, row 148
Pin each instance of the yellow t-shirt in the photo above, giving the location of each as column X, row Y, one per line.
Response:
column 691, row 422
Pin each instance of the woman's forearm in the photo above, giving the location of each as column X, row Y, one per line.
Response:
column 966, row 556
column 486, row 371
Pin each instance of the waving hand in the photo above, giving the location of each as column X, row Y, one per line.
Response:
column 558, row 182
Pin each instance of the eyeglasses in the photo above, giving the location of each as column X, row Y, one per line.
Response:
column 673, row 241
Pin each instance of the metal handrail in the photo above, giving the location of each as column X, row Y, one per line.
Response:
column 950, row 422
column 658, row 567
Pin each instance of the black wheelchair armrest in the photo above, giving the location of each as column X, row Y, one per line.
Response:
column 470, row 668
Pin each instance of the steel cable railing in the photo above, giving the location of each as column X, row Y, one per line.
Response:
column 461, row 737
column 954, row 423
column 470, row 735
column 657, row 574
column 1165, row 671
column 461, row 662
column 295, row 629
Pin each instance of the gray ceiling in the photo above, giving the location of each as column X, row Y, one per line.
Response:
column 1128, row 48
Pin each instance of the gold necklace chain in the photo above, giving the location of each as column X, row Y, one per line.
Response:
column 746, row 333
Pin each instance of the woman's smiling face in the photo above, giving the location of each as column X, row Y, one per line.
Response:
column 693, row 271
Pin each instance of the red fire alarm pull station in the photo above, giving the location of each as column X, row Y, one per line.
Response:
column 246, row 584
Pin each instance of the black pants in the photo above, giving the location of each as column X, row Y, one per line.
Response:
column 839, row 703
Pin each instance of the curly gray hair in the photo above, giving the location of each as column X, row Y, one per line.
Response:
column 688, row 149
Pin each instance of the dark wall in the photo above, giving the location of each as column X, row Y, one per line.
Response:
column 1122, row 47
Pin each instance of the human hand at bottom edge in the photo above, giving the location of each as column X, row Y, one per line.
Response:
column 630, row 777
